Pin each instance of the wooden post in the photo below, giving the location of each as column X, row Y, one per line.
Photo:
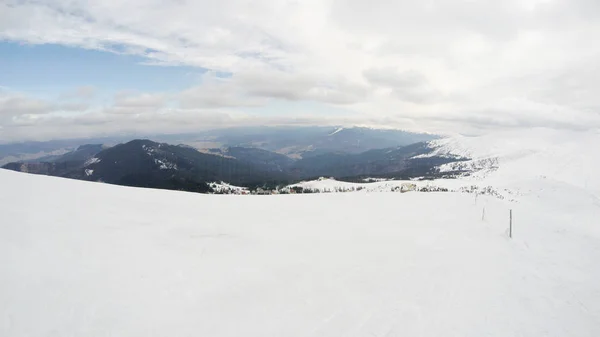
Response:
column 510, row 225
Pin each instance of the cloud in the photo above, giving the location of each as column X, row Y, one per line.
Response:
column 165, row 121
column 85, row 92
column 439, row 65
column 410, row 86
column 217, row 92
column 257, row 88
column 144, row 100
column 295, row 87
column 16, row 104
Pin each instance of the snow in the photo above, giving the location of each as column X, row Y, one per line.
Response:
column 103, row 260
column 225, row 187
column 91, row 161
column 332, row 185
column 370, row 180
column 89, row 172
column 215, row 152
column 513, row 164
column 165, row 164
column 149, row 150
column 513, row 158
column 336, row 131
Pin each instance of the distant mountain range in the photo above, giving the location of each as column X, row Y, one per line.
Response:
column 253, row 156
column 146, row 163
column 300, row 142
column 58, row 165
column 396, row 162
column 295, row 142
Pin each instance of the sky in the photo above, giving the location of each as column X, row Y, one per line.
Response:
column 74, row 68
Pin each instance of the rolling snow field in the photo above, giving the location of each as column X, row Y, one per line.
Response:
column 90, row 259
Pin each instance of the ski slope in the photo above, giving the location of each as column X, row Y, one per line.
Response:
column 89, row 259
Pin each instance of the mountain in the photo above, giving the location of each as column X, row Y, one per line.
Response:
column 59, row 169
column 80, row 154
column 45, row 151
column 150, row 164
column 304, row 141
column 58, row 165
column 391, row 162
column 295, row 142
column 146, row 163
column 511, row 156
column 263, row 159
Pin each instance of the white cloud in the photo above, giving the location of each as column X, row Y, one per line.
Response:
column 100, row 123
column 439, row 65
column 85, row 92
column 410, row 86
column 139, row 100
column 16, row 104
column 217, row 92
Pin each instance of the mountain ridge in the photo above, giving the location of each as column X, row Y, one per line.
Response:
column 146, row 163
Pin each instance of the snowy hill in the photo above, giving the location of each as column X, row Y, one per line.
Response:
column 104, row 260
column 514, row 164
column 523, row 161
column 566, row 156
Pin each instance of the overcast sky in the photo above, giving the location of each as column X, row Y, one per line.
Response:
column 72, row 68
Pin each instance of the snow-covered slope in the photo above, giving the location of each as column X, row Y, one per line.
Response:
column 514, row 157
column 223, row 187
column 325, row 185
column 89, row 259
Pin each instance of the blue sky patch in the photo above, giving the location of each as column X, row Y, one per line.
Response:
column 49, row 70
